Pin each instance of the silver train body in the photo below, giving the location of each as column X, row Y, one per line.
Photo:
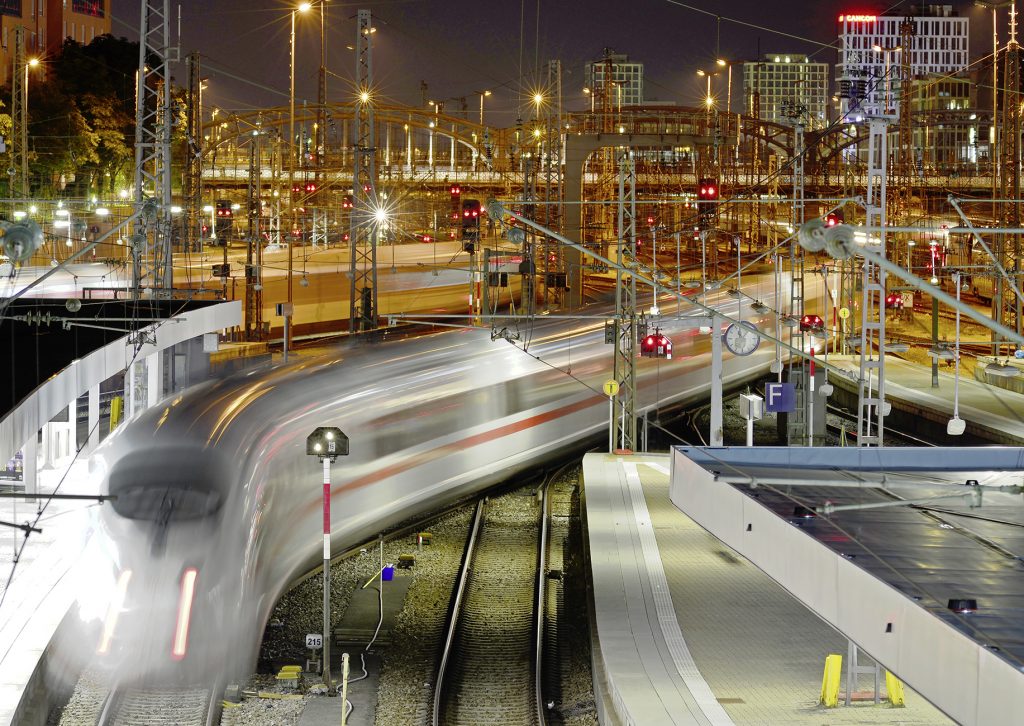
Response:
column 219, row 506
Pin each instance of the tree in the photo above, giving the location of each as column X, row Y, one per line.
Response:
column 82, row 118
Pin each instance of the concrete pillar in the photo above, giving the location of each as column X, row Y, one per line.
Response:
column 29, row 464
column 154, row 370
column 94, row 418
column 129, row 377
column 48, row 445
column 715, row 438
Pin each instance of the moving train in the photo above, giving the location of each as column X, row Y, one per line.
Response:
column 219, row 506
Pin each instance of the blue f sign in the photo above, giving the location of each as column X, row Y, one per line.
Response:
column 779, row 397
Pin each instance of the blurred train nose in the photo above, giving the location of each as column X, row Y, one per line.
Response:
column 168, row 484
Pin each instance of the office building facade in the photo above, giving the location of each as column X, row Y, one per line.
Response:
column 871, row 52
column 626, row 77
column 47, row 23
column 787, row 87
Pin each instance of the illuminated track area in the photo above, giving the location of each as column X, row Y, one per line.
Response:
column 157, row 706
column 487, row 669
column 96, row 703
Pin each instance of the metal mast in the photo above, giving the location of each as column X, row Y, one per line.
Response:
column 626, row 331
column 871, row 384
column 363, row 292
column 796, row 425
column 254, row 247
column 19, row 117
column 151, row 239
column 1009, row 306
column 193, row 181
column 902, row 172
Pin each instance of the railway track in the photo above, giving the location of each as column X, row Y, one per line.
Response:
column 492, row 659
column 132, row 706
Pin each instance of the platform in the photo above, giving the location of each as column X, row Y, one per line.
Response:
column 688, row 631
column 993, row 414
column 895, row 579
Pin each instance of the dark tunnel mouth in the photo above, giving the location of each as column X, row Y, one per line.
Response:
column 167, row 485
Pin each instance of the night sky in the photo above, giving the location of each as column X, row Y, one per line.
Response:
column 460, row 47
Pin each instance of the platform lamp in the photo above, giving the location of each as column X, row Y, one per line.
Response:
column 327, row 443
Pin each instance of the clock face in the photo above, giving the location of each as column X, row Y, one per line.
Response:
column 742, row 338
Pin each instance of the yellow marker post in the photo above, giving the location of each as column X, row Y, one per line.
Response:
column 894, row 690
column 830, row 680
column 611, row 389
column 115, row 411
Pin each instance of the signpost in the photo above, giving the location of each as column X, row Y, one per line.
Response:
column 779, row 397
column 611, row 389
column 751, row 409
column 326, row 443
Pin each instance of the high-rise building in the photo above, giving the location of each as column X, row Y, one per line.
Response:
column 870, row 54
column 47, row 23
column 787, row 86
column 627, row 78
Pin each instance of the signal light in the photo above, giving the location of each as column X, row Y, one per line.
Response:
column 833, row 218
column 650, row 221
column 346, row 202
column 894, row 301
column 707, row 189
column 657, row 345
column 812, row 323
column 455, row 190
column 345, row 237
column 310, row 188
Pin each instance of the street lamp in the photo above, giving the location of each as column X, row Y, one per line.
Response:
column 886, row 53
column 327, row 443
column 302, row 8
column 482, row 94
column 709, row 100
column 728, row 94
column 588, row 92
